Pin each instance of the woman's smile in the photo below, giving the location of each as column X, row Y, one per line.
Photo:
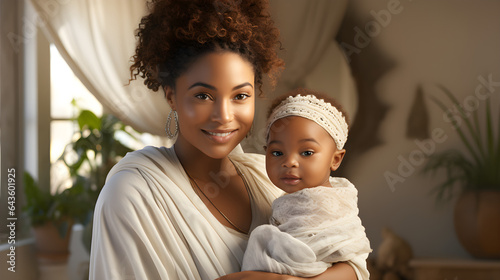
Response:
column 218, row 136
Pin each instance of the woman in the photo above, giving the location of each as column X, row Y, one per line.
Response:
column 185, row 212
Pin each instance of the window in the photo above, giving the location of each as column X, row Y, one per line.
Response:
column 64, row 88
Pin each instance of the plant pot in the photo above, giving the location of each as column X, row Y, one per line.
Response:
column 51, row 247
column 477, row 223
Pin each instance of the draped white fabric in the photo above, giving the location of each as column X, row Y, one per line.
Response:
column 97, row 39
column 321, row 223
column 150, row 224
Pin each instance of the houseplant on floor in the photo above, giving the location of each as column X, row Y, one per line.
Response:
column 95, row 149
column 472, row 173
column 52, row 216
column 89, row 157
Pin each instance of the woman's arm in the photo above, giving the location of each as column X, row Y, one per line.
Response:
column 338, row 271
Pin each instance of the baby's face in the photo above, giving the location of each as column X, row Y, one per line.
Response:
column 300, row 154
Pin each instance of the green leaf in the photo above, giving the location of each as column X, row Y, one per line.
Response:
column 477, row 131
column 465, row 118
column 458, row 130
column 462, row 173
column 489, row 126
column 89, row 120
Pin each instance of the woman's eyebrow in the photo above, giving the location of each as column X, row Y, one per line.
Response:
column 200, row 84
column 242, row 85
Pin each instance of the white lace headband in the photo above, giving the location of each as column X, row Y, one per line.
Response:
column 317, row 110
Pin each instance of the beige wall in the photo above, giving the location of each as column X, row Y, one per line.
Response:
column 447, row 42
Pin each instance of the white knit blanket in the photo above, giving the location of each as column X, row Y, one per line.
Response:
column 310, row 229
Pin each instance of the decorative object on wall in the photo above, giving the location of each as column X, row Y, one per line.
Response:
column 472, row 174
column 418, row 120
column 393, row 257
column 368, row 63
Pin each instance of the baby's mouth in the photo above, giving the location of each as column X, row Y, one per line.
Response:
column 290, row 179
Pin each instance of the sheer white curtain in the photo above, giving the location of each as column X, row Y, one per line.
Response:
column 97, row 39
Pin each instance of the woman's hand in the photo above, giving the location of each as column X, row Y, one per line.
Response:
column 338, row 271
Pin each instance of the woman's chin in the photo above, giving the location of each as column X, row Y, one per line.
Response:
column 219, row 151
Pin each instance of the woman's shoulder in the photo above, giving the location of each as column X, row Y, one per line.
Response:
column 148, row 152
column 126, row 181
column 124, row 191
column 148, row 159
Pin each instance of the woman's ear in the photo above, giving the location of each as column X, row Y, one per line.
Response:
column 337, row 158
column 170, row 96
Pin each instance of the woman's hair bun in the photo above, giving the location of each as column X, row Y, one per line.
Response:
column 176, row 32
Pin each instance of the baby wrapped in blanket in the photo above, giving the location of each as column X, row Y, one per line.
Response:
column 316, row 223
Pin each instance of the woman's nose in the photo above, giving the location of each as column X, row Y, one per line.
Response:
column 223, row 111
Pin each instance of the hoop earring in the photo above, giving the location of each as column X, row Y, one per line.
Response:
column 171, row 134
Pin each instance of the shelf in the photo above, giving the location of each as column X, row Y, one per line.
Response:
column 455, row 269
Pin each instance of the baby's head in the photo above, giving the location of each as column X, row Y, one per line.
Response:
column 306, row 133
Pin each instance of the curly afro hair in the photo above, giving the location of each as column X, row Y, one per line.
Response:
column 177, row 32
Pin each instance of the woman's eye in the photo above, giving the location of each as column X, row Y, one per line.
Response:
column 241, row 96
column 203, row 96
column 307, row 153
column 276, row 153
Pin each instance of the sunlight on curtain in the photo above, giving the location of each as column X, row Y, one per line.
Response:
column 96, row 39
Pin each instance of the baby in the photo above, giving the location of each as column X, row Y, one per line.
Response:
column 316, row 223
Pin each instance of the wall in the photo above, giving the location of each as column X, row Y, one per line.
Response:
column 446, row 42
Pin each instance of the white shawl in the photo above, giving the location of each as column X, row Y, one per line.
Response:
column 150, row 224
column 310, row 229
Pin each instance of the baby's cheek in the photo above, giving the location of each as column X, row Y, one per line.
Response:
column 271, row 171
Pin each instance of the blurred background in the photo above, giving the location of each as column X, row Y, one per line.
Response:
column 64, row 70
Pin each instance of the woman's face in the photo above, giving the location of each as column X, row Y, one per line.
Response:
column 215, row 102
column 300, row 154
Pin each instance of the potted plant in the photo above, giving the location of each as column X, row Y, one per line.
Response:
column 93, row 152
column 52, row 215
column 472, row 174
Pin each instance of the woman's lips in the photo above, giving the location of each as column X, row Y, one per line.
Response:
column 219, row 136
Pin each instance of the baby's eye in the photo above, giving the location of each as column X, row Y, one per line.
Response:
column 202, row 96
column 307, row 153
column 276, row 153
column 241, row 96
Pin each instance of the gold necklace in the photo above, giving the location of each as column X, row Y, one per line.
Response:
column 193, row 182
